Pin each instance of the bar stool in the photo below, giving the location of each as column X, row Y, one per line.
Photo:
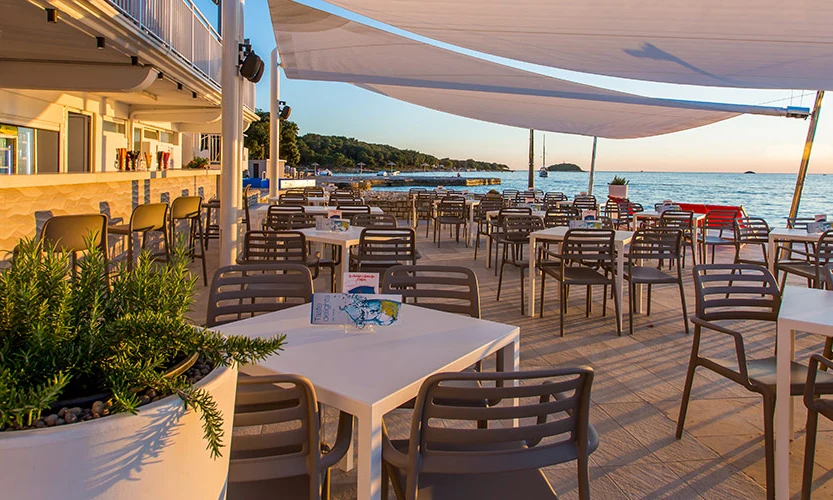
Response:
column 212, row 231
column 76, row 233
column 147, row 218
column 188, row 208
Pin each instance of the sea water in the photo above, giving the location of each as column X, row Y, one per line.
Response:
column 762, row 195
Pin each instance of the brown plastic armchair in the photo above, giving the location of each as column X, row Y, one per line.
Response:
column 727, row 293
column 807, row 265
column 381, row 248
column 718, row 230
column 451, row 212
column 516, row 230
column 283, row 246
column 446, row 457
column 276, row 451
column 189, row 210
column 751, row 231
column 145, row 219
column 247, row 290
column 815, row 406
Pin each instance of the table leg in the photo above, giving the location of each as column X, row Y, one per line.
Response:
column 346, row 464
column 370, row 455
column 620, row 277
column 344, row 264
column 469, row 236
column 782, row 413
column 532, row 275
column 771, row 254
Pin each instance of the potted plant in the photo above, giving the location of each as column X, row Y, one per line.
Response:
column 198, row 162
column 618, row 187
column 106, row 390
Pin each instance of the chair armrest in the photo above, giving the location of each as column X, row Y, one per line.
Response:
column 792, row 250
column 812, row 369
column 739, row 349
column 343, row 438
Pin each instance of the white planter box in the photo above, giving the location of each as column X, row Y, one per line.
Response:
column 158, row 453
column 617, row 190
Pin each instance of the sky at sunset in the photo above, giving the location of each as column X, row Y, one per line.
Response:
column 759, row 143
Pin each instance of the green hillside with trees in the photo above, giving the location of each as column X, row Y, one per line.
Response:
column 345, row 153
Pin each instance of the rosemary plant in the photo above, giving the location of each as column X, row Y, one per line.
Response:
column 67, row 333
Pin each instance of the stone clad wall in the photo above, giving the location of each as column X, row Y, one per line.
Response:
column 23, row 210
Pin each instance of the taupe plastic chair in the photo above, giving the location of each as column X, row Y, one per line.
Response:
column 188, row 208
column 560, row 216
column 212, row 231
column 424, row 205
column 554, row 196
column 515, row 236
column 718, row 230
column 496, row 230
column 481, row 220
column 314, row 192
column 349, row 211
column 684, row 221
column 283, row 246
column 586, row 258
column 246, row 290
column 726, row 293
column 586, row 202
column 293, row 200
column 451, row 211
column 278, row 216
column 808, row 265
column 452, row 289
column 384, row 221
column 815, row 406
column 147, row 218
column 751, row 231
column 648, row 249
column 446, row 457
column 381, row 248
column 76, row 233
column 276, row 451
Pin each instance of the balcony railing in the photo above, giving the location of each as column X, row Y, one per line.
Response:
column 181, row 27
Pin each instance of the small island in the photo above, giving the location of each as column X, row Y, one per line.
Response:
column 749, row 172
column 565, row 167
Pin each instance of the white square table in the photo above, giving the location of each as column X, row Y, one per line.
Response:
column 556, row 234
column 787, row 235
column 806, row 310
column 343, row 239
column 259, row 214
column 370, row 374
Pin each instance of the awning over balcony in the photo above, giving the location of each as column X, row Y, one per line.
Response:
column 737, row 43
column 316, row 45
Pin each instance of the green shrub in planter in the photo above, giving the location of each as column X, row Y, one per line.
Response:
column 67, row 333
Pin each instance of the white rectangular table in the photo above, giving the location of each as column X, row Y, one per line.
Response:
column 345, row 240
column 806, row 310
column 259, row 214
column 787, row 235
column 556, row 234
column 370, row 374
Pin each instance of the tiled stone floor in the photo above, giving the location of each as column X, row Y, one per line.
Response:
column 636, row 393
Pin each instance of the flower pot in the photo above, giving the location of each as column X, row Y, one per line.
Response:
column 158, row 453
column 617, row 190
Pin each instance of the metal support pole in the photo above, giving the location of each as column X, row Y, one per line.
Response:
column 592, row 166
column 232, row 132
column 274, row 123
column 805, row 158
column 531, row 181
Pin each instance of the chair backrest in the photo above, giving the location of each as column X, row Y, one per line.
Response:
column 799, row 222
column 275, row 246
column 824, row 248
column 76, row 233
column 278, row 216
column 452, row 207
column 518, row 227
column 735, row 292
column 510, row 194
column 452, row 289
column 412, row 193
column 311, row 191
column 385, row 247
column 186, row 207
column 246, row 290
column 585, row 202
column 298, row 221
column 828, row 276
column 556, row 217
column 277, row 426
column 487, row 205
column 149, row 217
column 751, row 230
column 656, row 244
column 677, row 219
column 722, row 220
column 555, row 196
column 348, row 211
column 375, row 221
column 552, row 413
column 589, row 245
column 293, row 199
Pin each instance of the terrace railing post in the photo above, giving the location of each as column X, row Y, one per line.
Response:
column 805, row 158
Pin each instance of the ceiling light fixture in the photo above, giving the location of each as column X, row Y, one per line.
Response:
column 99, row 42
column 51, row 15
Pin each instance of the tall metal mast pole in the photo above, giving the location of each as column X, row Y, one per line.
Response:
column 805, row 158
column 592, row 166
column 531, row 181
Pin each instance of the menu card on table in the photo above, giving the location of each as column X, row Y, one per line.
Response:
column 331, row 225
column 361, row 283
column 357, row 310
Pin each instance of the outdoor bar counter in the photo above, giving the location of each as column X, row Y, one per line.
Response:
column 26, row 201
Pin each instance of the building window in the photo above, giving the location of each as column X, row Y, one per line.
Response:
column 169, row 138
column 151, row 134
column 114, row 127
column 27, row 151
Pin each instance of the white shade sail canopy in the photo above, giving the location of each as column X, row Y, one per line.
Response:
column 317, row 45
column 726, row 43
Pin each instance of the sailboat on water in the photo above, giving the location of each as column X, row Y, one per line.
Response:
column 543, row 172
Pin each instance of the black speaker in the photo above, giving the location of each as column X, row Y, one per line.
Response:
column 252, row 67
column 285, row 112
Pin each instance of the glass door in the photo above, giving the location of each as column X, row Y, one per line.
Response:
column 7, row 154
